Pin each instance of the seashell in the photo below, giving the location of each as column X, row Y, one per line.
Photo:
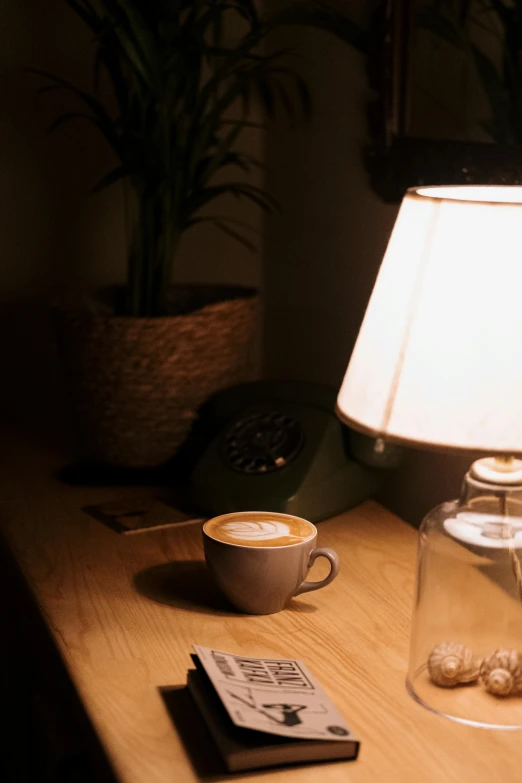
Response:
column 501, row 673
column 450, row 664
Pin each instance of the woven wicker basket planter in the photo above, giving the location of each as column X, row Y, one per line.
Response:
column 137, row 383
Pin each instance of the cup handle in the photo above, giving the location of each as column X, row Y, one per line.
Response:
column 333, row 557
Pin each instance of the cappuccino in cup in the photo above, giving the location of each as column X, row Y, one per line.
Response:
column 256, row 529
column 260, row 559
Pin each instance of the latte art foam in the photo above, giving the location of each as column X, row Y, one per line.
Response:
column 256, row 529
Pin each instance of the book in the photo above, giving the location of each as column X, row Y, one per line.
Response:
column 264, row 712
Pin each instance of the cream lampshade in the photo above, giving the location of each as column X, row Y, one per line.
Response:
column 438, row 365
column 438, row 360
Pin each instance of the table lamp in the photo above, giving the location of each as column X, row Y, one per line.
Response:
column 438, row 365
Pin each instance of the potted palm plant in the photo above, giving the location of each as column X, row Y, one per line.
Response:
column 142, row 359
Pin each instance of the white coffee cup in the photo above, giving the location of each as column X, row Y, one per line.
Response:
column 260, row 559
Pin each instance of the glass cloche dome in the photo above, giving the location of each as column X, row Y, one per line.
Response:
column 466, row 644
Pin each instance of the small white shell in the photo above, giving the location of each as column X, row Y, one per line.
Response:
column 451, row 664
column 501, row 673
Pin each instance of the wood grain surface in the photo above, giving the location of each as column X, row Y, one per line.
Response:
column 124, row 611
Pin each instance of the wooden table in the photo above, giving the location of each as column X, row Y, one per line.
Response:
column 124, row 610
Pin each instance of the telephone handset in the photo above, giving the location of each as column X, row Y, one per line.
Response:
column 278, row 446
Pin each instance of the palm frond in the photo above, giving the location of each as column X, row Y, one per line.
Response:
column 319, row 15
column 100, row 116
column 86, row 12
column 117, row 174
column 237, row 235
column 182, row 94
column 224, row 219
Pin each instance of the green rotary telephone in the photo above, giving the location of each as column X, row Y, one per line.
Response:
column 278, row 446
